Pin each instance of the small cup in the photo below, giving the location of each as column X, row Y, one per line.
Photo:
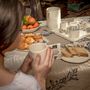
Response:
column 38, row 48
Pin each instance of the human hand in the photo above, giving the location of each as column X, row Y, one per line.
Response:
column 43, row 68
column 26, row 66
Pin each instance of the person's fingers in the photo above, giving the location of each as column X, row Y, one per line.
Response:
column 48, row 52
column 51, row 61
column 27, row 60
column 37, row 60
column 29, row 55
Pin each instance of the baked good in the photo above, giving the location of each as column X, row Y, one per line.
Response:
column 71, row 50
column 81, row 51
column 28, row 39
column 65, row 52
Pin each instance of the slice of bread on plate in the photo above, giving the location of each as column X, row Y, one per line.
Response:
column 81, row 51
column 71, row 50
column 65, row 52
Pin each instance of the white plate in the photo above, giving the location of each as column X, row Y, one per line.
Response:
column 30, row 30
column 76, row 59
column 42, row 23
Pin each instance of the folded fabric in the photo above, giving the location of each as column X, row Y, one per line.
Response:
column 14, row 59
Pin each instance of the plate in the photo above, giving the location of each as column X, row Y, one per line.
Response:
column 76, row 59
column 41, row 23
column 30, row 30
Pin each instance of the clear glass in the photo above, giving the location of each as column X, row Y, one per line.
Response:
column 64, row 27
column 53, row 15
column 73, row 32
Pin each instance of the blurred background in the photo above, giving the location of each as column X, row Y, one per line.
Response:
column 69, row 8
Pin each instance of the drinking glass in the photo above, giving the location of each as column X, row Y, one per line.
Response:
column 73, row 32
column 53, row 15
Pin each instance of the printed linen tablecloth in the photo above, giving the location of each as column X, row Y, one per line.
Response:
column 68, row 76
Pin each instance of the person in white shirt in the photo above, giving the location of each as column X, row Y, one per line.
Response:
column 11, row 13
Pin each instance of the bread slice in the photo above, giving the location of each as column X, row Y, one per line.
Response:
column 81, row 51
column 65, row 52
column 71, row 50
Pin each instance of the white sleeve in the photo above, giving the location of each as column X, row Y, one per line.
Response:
column 22, row 82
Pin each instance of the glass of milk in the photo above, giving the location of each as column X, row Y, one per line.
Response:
column 53, row 15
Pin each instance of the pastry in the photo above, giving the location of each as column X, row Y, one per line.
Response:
column 28, row 39
column 81, row 51
column 71, row 50
column 65, row 52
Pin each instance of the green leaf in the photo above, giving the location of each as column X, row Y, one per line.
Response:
column 24, row 21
